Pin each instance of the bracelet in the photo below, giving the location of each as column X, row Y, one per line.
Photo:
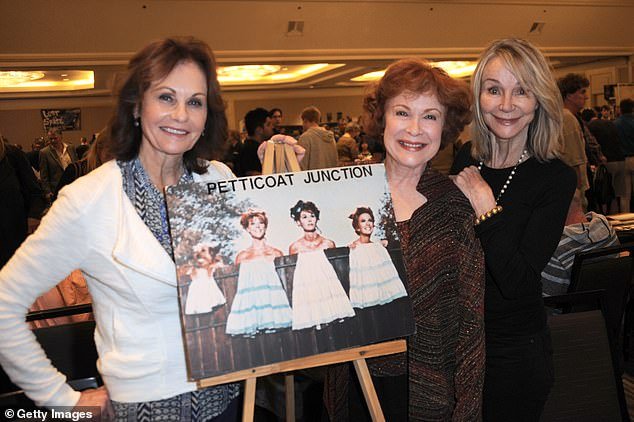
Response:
column 496, row 210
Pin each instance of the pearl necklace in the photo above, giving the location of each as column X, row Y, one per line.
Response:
column 508, row 179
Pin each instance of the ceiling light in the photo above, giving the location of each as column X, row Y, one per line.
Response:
column 370, row 76
column 266, row 74
column 46, row 80
column 17, row 77
column 249, row 72
column 457, row 69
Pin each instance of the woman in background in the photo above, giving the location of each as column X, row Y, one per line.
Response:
column 520, row 193
column 112, row 225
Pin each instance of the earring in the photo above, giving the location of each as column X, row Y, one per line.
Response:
column 137, row 122
column 202, row 134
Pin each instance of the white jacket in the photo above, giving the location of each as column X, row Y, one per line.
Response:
column 93, row 226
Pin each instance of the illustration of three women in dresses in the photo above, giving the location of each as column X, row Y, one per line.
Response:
column 261, row 304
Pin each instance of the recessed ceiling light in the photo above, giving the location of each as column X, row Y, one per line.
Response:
column 266, row 74
column 46, row 80
column 457, row 69
column 16, row 77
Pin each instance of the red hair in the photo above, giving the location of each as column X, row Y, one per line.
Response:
column 419, row 77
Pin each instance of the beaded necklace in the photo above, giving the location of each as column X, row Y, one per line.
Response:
column 508, row 179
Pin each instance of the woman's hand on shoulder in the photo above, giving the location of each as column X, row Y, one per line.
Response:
column 476, row 189
column 96, row 397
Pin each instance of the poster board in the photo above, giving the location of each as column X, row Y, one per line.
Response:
column 221, row 289
column 65, row 119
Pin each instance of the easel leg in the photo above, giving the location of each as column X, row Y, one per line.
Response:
column 368, row 390
column 289, row 381
column 248, row 407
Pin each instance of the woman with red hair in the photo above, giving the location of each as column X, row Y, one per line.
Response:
column 418, row 109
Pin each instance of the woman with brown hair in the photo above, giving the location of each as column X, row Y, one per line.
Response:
column 112, row 225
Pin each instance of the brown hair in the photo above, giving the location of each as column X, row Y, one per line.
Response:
column 419, row 77
column 250, row 214
column 311, row 114
column 356, row 214
column 153, row 63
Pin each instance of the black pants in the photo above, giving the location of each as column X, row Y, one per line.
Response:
column 392, row 395
column 518, row 377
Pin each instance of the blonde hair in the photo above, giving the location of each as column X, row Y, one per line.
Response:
column 98, row 152
column 532, row 71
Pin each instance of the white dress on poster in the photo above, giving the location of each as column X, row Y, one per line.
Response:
column 203, row 294
column 260, row 303
column 318, row 297
column 373, row 277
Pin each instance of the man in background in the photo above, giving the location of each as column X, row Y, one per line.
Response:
column 573, row 92
column 53, row 161
column 82, row 149
column 347, row 148
column 259, row 128
column 276, row 118
column 625, row 129
column 319, row 143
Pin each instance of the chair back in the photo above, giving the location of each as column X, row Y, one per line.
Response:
column 587, row 384
column 71, row 349
column 609, row 269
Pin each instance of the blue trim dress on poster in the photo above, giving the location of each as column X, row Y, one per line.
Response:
column 260, row 303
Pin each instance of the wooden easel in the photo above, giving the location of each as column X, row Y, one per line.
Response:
column 281, row 158
column 357, row 355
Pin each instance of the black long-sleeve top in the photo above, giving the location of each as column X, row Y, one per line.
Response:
column 519, row 241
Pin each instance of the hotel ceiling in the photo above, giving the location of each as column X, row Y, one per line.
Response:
column 356, row 36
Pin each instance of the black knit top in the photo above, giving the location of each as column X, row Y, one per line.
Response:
column 519, row 241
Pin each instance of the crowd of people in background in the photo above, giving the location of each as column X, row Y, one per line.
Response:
column 328, row 144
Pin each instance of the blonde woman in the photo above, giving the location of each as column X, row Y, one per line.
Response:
column 520, row 192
